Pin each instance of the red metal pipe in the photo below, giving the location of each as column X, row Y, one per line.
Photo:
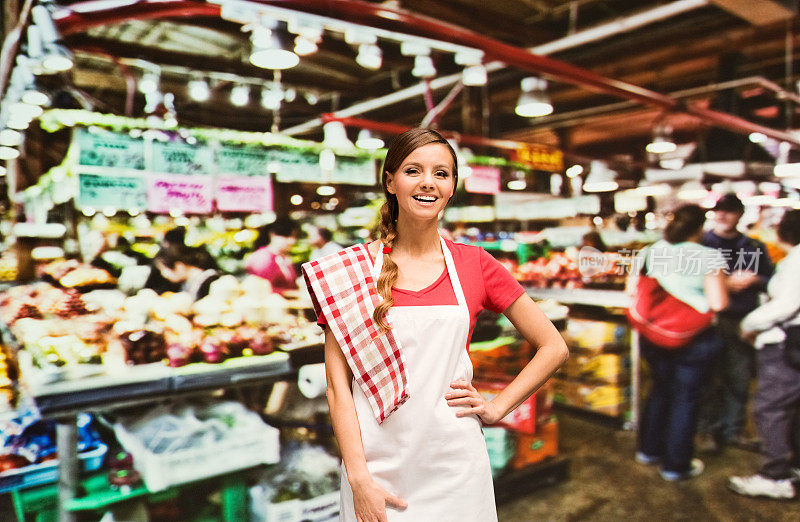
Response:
column 69, row 20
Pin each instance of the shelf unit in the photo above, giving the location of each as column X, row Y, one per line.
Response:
column 617, row 301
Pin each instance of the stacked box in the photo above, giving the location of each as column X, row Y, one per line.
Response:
column 602, row 398
column 536, row 409
column 499, row 359
column 604, row 368
column 592, row 336
column 531, row 449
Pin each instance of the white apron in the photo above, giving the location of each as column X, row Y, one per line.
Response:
column 422, row 452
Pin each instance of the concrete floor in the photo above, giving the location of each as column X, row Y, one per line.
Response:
column 606, row 484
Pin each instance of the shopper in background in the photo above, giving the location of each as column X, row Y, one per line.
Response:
column 594, row 240
column 271, row 259
column 190, row 269
column 723, row 407
column 777, row 398
column 693, row 274
column 322, row 241
column 427, row 459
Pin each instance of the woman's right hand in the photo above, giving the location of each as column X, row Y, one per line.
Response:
column 370, row 501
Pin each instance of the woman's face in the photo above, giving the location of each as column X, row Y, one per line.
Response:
column 424, row 182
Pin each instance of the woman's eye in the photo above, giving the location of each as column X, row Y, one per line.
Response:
column 411, row 171
column 443, row 174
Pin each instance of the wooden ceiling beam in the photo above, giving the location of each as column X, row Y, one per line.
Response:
column 759, row 12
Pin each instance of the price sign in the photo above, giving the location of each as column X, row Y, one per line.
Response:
column 118, row 192
column 244, row 193
column 539, row 157
column 188, row 194
column 109, row 149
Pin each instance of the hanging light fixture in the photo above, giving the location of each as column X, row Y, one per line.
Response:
column 474, row 75
column 10, row 138
column 149, row 82
column 692, row 191
column 519, row 182
column 367, row 141
column 199, row 90
column 369, row 56
column 533, row 101
column 304, row 46
column 662, row 140
column 271, row 97
column 600, row 178
column 269, row 52
column 3, row 171
column 55, row 57
column 327, row 160
column 35, row 97
column 423, row 67
column 8, row 153
column 240, row 95
column 335, row 136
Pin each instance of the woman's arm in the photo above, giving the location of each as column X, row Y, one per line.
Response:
column 369, row 498
column 551, row 353
column 716, row 290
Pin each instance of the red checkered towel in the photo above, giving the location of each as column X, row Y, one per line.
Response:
column 345, row 294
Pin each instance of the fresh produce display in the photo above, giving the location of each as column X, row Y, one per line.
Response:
column 8, row 266
column 564, row 270
column 74, row 274
column 69, row 335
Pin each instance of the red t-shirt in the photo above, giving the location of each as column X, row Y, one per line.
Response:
column 487, row 285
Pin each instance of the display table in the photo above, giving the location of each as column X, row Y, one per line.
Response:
column 139, row 385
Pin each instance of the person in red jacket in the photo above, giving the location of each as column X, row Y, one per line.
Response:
column 271, row 259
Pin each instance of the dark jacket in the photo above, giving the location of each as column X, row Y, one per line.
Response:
column 743, row 253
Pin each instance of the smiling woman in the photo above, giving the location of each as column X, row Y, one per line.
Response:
column 404, row 411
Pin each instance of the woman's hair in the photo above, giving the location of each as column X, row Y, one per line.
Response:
column 175, row 236
column 399, row 150
column 789, row 227
column 198, row 256
column 686, row 221
column 283, row 226
column 595, row 240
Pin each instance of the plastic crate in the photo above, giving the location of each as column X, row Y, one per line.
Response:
column 47, row 472
column 243, row 447
column 324, row 508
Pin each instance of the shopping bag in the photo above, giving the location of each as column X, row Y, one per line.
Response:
column 662, row 318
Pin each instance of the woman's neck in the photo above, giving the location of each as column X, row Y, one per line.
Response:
column 416, row 238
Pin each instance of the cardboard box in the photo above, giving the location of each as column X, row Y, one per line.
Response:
column 608, row 399
column 499, row 358
column 597, row 336
column 604, row 368
column 531, row 449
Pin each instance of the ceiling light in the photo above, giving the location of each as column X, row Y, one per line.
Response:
column 413, row 48
column 519, row 182
column 672, row 164
column 311, row 98
column 8, row 153
column 290, row 94
column 35, row 48
column 423, row 67
column 335, row 136
column 787, row 170
column 575, row 170
column 18, row 123
column 24, row 111
column 474, row 75
column 10, row 137
column 533, row 101
column 57, row 59
column 658, row 190
column 148, row 83
column 240, row 95
column 600, row 178
column 365, row 140
column 662, row 140
column 692, row 191
column 467, row 58
column 270, row 54
column 661, row 145
column 35, row 97
column 303, row 46
column 326, row 190
column 3, row 171
column 296, row 199
column 758, row 137
column 327, row 160
column 199, row 90
column 271, row 97
column 369, row 56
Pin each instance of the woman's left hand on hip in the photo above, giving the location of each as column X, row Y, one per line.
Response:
column 464, row 394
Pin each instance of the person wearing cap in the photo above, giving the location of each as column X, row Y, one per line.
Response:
column 749, row 268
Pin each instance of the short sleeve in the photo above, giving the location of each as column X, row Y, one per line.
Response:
column 500, row 287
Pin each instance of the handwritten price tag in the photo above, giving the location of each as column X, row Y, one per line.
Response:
column 244, row 194
column 188, row 194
